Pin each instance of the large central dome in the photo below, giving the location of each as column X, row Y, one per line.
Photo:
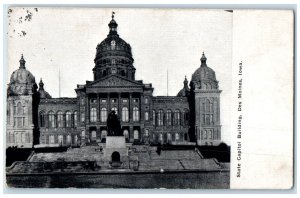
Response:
column 113, row 55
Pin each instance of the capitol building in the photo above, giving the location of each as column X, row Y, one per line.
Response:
column 35, row 119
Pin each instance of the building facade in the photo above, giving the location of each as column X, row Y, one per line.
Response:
column 35, row 118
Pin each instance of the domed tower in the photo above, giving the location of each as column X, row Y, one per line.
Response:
column 42, row 92
column 22, row 106
column 113, row 56
column 206, row 101
column 185, row 91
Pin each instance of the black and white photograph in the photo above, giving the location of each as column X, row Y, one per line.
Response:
column 118, row 98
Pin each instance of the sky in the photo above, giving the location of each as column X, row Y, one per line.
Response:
column 65, row 39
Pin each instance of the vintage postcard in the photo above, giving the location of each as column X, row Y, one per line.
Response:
column 149, row 98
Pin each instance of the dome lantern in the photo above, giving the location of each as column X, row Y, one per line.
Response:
column 113, row 25
column 203, row 59
column 22, row 62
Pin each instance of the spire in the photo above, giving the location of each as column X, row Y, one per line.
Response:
column 113, row 25
column 203, row 60
column 22, row 62
column 41, row 85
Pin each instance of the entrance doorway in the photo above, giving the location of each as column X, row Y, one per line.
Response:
column 93, row 136
column 115, row 157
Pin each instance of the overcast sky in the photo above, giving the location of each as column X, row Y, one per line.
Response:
column 161, row 40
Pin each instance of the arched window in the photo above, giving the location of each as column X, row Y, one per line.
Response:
column 51, row 120
column 176, row 137
column 103, row 134
column 136, row 134
column 207, row 105
column 126, row 133
column 136, row 114
column 125, row 114
column 160, row 117
column 161, row 139
column 115, row 109
column 186, row 117
column 146, row 115
column 93, row 114
column 169, row 117
column 75, row 119
column 68, row 119
column 19, row 109
column 60, row 119
column 42, row 119
column 146, row 132
column 177, row 117
column 104, row 73
column 103, row 114
column 154, row 117
column 82, row 134
column 82, row 116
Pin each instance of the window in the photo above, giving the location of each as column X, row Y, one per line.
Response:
column 125, row 114
column 75, row 119
column 82, row 101
column 154, row 117
column 113, row 61
column 103, row 134
column 186, row 117
column 135, row 100
column 60, row 139
column 60, row 119
column 177, row 117
column 176, row 137
column 169, row 117
column 113, row 43
column 42, row 119
column 124, row 100
column 113, row 71
column 169, row 137
column 146, row 116
column 51, row 120
column 23, row 138
column 103, row 114
column 83, row 134
column 136, row 114
column 115, row 109
column 113, row 100
column 93, row 100
column 19, row 109
column 93, row 114
column 51, row 139
column 161, row 139
column 68, row 119
column 126, row 133
column 146, row 101
column 146, row 132
column 82, row 117
column 160, row 118
column 204, row 135
column 136, row 134
column 103, row 100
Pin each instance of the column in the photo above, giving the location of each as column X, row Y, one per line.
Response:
column 119, row 105
column 87, row 111
column 98, row 109
column 108, row 103
column 130, row 107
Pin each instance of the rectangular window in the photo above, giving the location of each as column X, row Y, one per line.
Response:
column 82, row 117
column 124, row 100
column 146, row 101
column 113, row 100
column 93, row 101
column 146, row 116
column 103, row 100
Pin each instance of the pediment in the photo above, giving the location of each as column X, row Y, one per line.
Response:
column 114, row 81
